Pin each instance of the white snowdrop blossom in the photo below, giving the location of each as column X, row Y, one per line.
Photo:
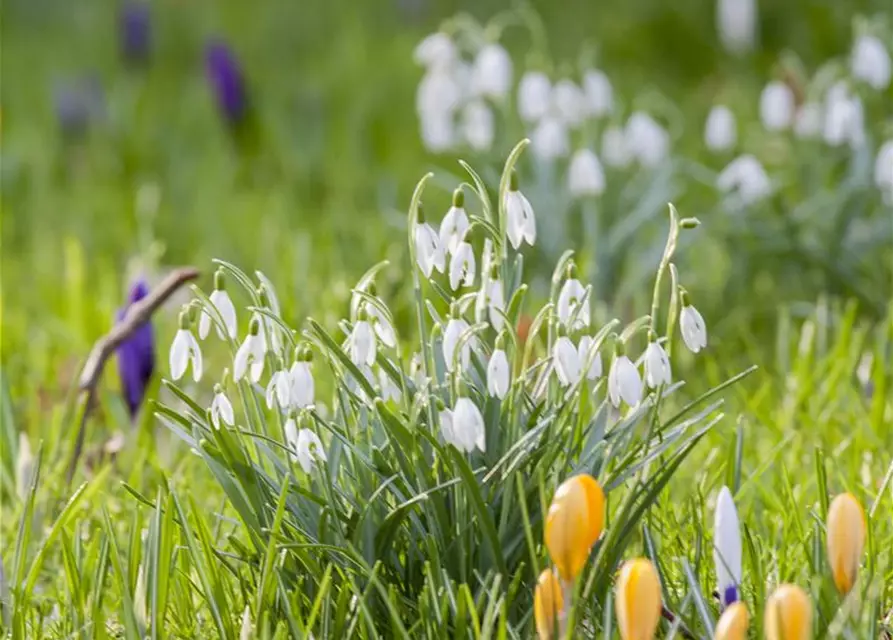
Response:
column 302, row 385
column 362, row 341
column 646, row 140
column 417, row 371
column 808, row 121
column 491, row 73
column 221, row 408
column 534, row 96
column 585, row 176
column 566, row 361
column 498, row 374
column 185, row 350
column 736, row 22
column 573, row 305
column 478, row 128
column 438, row 96
column 306, row 446
column 615, row 151
column 727, row 548
column 436, row 50
column 844, row 117
column 569, row 103
column 221, row 301
column 720, row 133
column 598, row 92
column 429, row 251
column 382, row 325
column 691, row 324
column 594, row 370
column 657, row 365
column 777, row 106
column 468, row 426
column 438, row 131
column 521, row 222
column 454, row 329
column 24, row 466
column 279, row 390
column 389, row 389
column 490, row 302
column 883, row 169
column 455, row 224
column 746, row 179
column 870, row 62
column 462, row 266
column 624, row 383
column 250, row 356
column 549, row 140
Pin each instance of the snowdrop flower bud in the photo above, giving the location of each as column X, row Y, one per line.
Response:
column 846, row 540
column 389, row 389
column 548, row 604
column 185, row 350
column 720, row 133
column 599, row 93
column 24, row 466
column 732, row 623
column 429, row 251
column 594, row 369
column 647, row 141
column 478, row 128
column 462, row 266
column 573, row 302
column 870, row 62
column 777, row 106
column 436, row 50
column 585, row 176
column 520, row 223
column 534, row 96
column 727, row 548
column 136, row 354
column 566, row 361
column 883, row 169
column 362, row 340
column 844, row 117
column 549, row 140
column 569, row 103
column 788, row 614
column 250, row 354
column 498, row 373
column 745, row 178
column 574, row 522
column 454, row 329
column 491, row 74
column 691, row 324
column 637, row 600
column 624, row 383
column 657, row 365
column 615, row 151
column 224, row 305
column 736, row 23
column 467, row 429
column 808, row 121
column 301, row 378
column 455, row 223
column 279, row 388
column 221, row 408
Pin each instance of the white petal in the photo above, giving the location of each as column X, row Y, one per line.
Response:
column 283, row 390
column 727, row 544
column 694, row 332
column 496, row 305
column 573, row 312
column 220, row 299
column 446, row 428
column 657, row 365
column 595, row 365
column 498, row 374
column 566, row 360
column 291, row 438
column 195, row 353
column 204, row 324
column 462, row 266
column 179, row 355
column 455, row 328
column 225, row 409
column 270, row 394
column 302, row 384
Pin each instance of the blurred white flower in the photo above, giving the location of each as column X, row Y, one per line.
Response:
column 595, row 365
column 566, row 361
column 745, row 178
column 569, row 103
column 534, row 96
column 844, row 117
column 585, row 176
column 720, row 132
column 498, row 374
column 279, row 390
column 139, row 598
column 870, row 62
column 467, row 426
column 389, row 389
column 727, row 548
column 250, row 355
column 224, row 305
column 646, row 140
column 691, row 324
column 429, row 251
column 438, row 97
column 454, row 329
column 477, row 125
column 573, row 305
column 24, row 466
column 657, row 365
column 221, row 408
column 462, row 266
column 383, row 327
column 438, row 132
column 491, row 74
column 777, row 106
column 883, row 169
column 453, row 228
column 302, row 385
column 521, row 222
column 185, row 349
column 808, row 121
column 436, row 50
column 362, row 342
column 598, row 92
column 736, row 21
column 615, row 151
column 624, row 383
column 549, row 140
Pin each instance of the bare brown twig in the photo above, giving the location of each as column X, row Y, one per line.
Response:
column 137, row 314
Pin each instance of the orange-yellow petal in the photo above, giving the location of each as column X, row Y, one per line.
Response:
column 574, row 522
column 637, row 600
column 547, row 605
column 846, row 540
column 732, row 623
column 788, row 614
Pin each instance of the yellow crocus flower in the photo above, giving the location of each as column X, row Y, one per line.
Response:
column 846, row 540
column 638, row 600
column 548, row 604
column 732, row 623
column 574, row 522
column 788, row 614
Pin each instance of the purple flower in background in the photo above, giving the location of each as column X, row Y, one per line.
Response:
column 226, row 80
column 135, row 30
column 78, row 102
column 136, row 355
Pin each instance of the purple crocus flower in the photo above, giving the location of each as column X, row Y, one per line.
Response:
column 225, row 77
column 136, row 355
column 78, row 103
column 135, row 30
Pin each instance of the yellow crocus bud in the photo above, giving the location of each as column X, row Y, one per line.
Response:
column 575, row 521
column 788, row 614
column 846, row 540
column 638, row 600
column 547, row 605
column 732, row 623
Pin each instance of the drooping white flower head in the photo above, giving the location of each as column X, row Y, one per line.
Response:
column 720, row 132
column 870, row 62
column 389, row 389
column 301, row 377
column 498, row 374
column 615, row 151
column 657, row 365
column 417, row 371
column 362, row 341
column 279, row 389
column 573, row 303
column 736, row 22
column 454, row 329
column 534, row 96
column 566, row 361
column 647, row 140
column 844, row 117
column 549, row 140
column 468, row 426
column 185, row 350
column 24, row 466
column 429, row 251
column 378, row 317
column 436, row 50
column 462, row 266
column 585, row 349
column 251, row 353
column 521, row 223
column 224, row 305
column 490, row 301
column 491, row 74
column 777, row 106
column 438, row 131
column 746, row 179
column 883, row 169
column 692, row 327
column 808, row 121
column 569, row 103
column 439, row 93
column 478, row 128
column 598, row 92
column 306, row 447
column 455, row 223
column 221, row 408
column 269, row 329
column 727, row 548
column 624, row 383
column 585, row 176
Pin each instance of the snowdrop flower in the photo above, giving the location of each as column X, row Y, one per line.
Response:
column 429, row 251
column 615, row 151
column 585, row 176
column 468, row 426
column 389, row 389
column 498, row 373
column 594, row 371
column 279, row 389
column 777, row 106
column 569, row 103
column 224, row 305
column 377, row 317
column 250, row 354
column 647, row 141
column 566, row 361
column 300, row 375
column 549, row 140
column 624, row 383
column 534, row 96
column 720, row 132
column 736, row 22
column 362, row 342
column 416, row 371
column 491, row 300
column 573, row 303
column 657, row 365
column 598, row 92
column 808, row 121
column 491, row 74
column 462, row 266
column 883, row 169
column 691, row 324
column 438, row 93
column 267, row 294
column 870, row 62
column 221, row 408
column 436, row 50
column 455, row 224
column 844, row 117
column 520, row 221
column 746, row 178
column 727, row 548
column 454, row 329
column 24, row 466
column 185, row 350
column 306, row 447
column 477, row 125
column 438, row 132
